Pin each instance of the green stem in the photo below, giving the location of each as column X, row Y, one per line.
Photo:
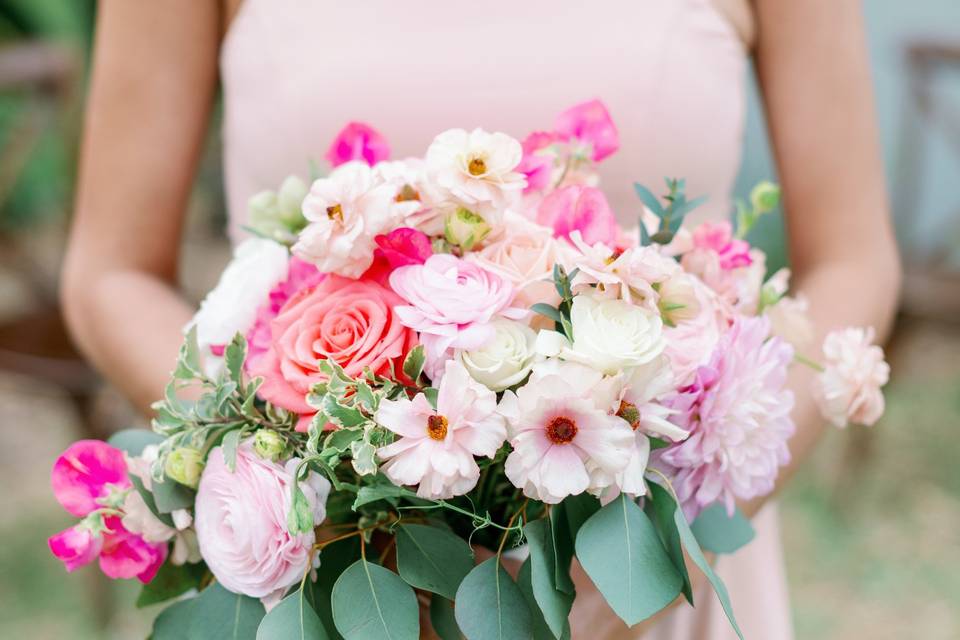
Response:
column 816, row 366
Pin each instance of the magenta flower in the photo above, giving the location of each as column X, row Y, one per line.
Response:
column 358, row 141
column 537, row 164
column 590, row 124
column 718, row 237
column 127, row 555
column 76, row 546
column 86, row 473
column 404, row 246
column 579, row 208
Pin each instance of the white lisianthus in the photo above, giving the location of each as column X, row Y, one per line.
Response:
column 258, row 265
column 506, row 359
column 609, row 335
column 476, row 167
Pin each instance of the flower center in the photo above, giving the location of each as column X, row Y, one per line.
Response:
column 629, row 412
column 561, row 430
column 407, row 193
column 335, row 213
column 437, row 427
column 477, row 167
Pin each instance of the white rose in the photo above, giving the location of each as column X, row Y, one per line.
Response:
column 609, row 335
column 506, row 359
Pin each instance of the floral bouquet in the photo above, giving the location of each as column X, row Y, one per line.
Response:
column 415, row 363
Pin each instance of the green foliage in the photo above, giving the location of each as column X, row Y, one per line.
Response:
column 413, row 363
column 717, row 532
column 553, row 601
column 670, row 216
column 173, row 623
column 442, row 618
column 334, row 560
column 134, row 441
column 660, row 507
column 432, row 559
column 373, row 603
column 222, row 615
column 489, row 604
column 171, row 581
column 541, row 631
column 170, row 496
column 292, row 619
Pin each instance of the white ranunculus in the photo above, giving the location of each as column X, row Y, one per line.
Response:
column 506, row 359
column 258, row 265
column 609, row 335
column 476, row 167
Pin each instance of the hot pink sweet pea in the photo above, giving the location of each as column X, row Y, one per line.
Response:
column 536, row 165
column 579, row 208
column 76, row 546
column 591, row 124
column 718, row 237
column 127, row 555
column 85, row 473
column 358, row 141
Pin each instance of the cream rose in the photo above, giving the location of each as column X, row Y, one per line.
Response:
column 506, row 359
column 609, row 335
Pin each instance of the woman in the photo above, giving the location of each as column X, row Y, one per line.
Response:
column 671, row 71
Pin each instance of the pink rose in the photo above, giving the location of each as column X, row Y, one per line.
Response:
column 127, row 555
column 579, row 208
column 452, row 302
column 536, row 164
column 241, row 522
column 76, row 546
column 358, row 141
column 351, row 322
column 590, row 123
column 86, row 473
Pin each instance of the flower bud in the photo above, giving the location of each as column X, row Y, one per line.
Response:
column 268, row 444
column 184, row 465
column 764, row 197
column 277, row 214
column 465, row 229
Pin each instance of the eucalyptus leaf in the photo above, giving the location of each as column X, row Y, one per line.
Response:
column 134, row 441
column 148, row 500
column 173, row 623
column 562, row 547
column 621, row 552
column 334, row 559
column 373, row 603
column 651, row 201
column 720, row 533
column 432, row 559
column 442, row 618
column 170, row 581
column 541, row 631
column 553, row 603
column 660, row 507
column 546, row 310
column 490, row 605
column 224, row 615
column 292, row 618
column 170, row 495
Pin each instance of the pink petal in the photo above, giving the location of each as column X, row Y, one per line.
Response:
column 127, row 555
column 590, row 122
column 84, row 473
column 75, row 547
column 358, row 141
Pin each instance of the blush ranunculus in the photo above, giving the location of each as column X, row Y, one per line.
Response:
column 591, row 124
column 86, row 473
column 241, row 522
column 358, row 141
column 579, row 208
column 351, row 322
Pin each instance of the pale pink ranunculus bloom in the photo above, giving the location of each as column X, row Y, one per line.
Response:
column 358, row 141
column 345, row 212
column 436, row 448
column 76, row 546
column 737, row 410
column 474, row 167
column 590, row 124
column 451, row 302
column 87, row 473
column 579, row 208
column 849, row 388
column 564, row 442
column 241, row 522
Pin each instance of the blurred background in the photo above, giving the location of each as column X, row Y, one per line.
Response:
column 872, row 526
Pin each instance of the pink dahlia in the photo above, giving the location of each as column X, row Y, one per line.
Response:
column 737, row 411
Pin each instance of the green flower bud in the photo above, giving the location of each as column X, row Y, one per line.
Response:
column 184, row 465
column 764, row 197
column 465, row 229
column 268, row 444
column 277, row 214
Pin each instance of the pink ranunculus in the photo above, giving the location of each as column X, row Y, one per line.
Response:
column 451, row 302
column 358, row 141
column 86, row 473
column 241, row 522
column 127, row 555
column 76, row 546
column 579, row 208
column 718, row 237
column 590, row 123
column 848, row 390
column 537, row 164
column 352, row 322
column 301, row 275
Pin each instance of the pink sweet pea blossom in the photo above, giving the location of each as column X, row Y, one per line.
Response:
column 76, row 546
column 435, row 449
column 579, row 208
column 404, row 246
column 590, row 124
column 87, row 472
column 537, row 162
column 718, row 237
column 737, row 411
column 127, row 555
column 358, row 141
column 848, row 390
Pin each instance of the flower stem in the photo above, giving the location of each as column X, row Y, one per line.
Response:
column 816, row 366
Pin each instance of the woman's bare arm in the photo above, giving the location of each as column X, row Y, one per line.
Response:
column 154, row 77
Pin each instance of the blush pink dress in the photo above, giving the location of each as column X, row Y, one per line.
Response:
column 672, row 73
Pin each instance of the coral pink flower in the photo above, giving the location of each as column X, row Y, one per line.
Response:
column 718, row 237
column 451, row 302
column 241, row 522
column 76, row 546
column 352, row 322
column 127, row 555
column 537, row 162
column 848, row 390
column 590, row 124
column 579, row 208
column 87, row 472
column 738, row 413
column 436, row 448
column 358, row 141
column 564, row 441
